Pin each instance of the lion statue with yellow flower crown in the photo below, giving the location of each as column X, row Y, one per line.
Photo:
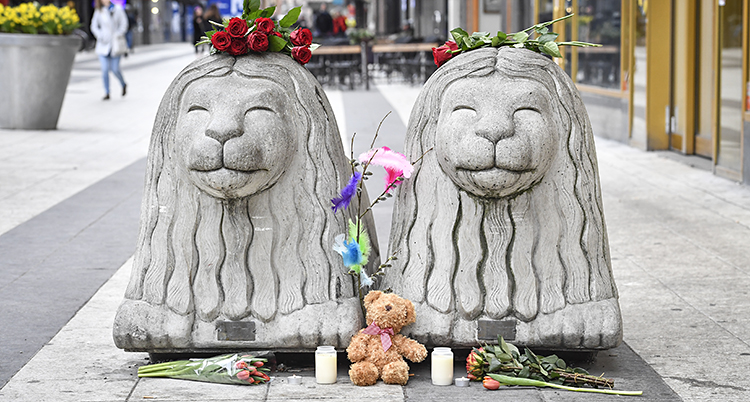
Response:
column 500, row 230
column 236, row 235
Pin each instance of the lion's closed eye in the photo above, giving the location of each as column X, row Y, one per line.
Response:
column 196, row 108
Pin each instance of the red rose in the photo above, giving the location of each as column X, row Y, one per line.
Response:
column 237, row 47
column 221, row 41
column 301, row 37
column 441, row 54
column 237, row 27
column 274, row 33
column 302, row 54
column 265, row 25
column 257, row 41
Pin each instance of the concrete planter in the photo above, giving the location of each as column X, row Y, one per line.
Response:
column 34, row 73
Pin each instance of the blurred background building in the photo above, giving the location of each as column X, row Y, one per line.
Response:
column 670, row 74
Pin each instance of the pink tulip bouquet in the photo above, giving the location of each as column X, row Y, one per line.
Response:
column 234, row 368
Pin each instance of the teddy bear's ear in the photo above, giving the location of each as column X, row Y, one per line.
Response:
column 411, row 316
column 371, row 297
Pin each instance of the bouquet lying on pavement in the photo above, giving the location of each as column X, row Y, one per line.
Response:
column 225, row 369
column 503, row 364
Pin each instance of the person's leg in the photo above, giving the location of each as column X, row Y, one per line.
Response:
column 116, row 71
column 104, row 62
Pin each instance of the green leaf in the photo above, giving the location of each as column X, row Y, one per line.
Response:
column 520, row 37
column 503, row 344
column 253, row 15
column 494, row 364
column 541, row 30
column 291, row 17
column 312, row 49
column 480, row 35
column 251, row 6
column 550, row 37
column 496, row 41
column 501, row 35
column 551, row 359
column 551, row 49
column 268, row 12
column 524, row 373
column 275, row 44
column 460, row 36
column 561, row 364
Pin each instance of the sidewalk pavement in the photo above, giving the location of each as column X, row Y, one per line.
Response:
column 678, row 238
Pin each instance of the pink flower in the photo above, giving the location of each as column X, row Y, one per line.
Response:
column 243, row 375
column 395, row 164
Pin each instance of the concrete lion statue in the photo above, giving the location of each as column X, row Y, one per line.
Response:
column 235, row 245
column 503, row 222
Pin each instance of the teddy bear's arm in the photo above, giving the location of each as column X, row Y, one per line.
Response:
column 357, row 349
column 410, row 348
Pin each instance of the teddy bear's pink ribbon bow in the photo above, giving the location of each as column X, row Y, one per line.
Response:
column 385, row 335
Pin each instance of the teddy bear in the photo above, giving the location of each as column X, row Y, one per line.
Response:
column 378, row 350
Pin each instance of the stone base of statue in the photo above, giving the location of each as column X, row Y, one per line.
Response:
column 141, row 327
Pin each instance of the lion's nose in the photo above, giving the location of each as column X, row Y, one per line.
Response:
column 224, row 128
column 388, row 307
column 495, row 128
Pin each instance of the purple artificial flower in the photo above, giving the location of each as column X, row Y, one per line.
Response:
column 347, row 193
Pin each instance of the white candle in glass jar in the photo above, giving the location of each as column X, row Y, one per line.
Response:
column 442, row 366
column 325, row 365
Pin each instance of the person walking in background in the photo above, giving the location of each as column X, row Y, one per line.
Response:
column 198, row 28
column 109, row 25
column 212, row 14
column 132, row 14
column 324, row 21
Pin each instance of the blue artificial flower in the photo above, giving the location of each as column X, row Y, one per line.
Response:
column 347, row 193
column 349, row 250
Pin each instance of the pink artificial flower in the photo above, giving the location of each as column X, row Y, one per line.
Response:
column 395, row 164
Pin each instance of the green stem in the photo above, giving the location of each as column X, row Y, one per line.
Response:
column 507, row 380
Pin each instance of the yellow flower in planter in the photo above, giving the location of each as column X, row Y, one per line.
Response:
column 27, row 18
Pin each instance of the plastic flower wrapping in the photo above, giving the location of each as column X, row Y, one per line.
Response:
column 234, row 368
column 256, row 32
column 30, row 18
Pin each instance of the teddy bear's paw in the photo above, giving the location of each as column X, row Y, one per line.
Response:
column 396, row 373
column 363, row 373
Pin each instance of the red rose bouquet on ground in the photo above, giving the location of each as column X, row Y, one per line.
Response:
column 256, row 32
column 224, row 369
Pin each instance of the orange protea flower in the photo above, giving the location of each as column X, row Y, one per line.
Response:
column 475, row 363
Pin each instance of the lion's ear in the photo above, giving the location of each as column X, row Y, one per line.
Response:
column 371, row 297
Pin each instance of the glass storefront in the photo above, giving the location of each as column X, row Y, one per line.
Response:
column 730, row 86
column 599, row 22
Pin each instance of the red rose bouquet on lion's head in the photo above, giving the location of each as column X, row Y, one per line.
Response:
column 256, row 32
